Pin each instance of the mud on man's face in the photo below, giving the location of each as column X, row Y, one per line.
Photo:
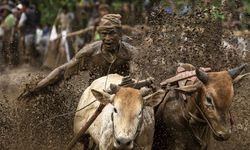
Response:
column 111, row 38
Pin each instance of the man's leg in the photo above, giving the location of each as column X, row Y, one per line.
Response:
column 30, row 49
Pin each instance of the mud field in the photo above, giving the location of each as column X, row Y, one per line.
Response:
column 44, row 121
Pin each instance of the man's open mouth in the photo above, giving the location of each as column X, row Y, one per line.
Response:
column 108, row 43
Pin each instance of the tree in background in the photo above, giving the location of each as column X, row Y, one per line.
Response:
column 50, row 8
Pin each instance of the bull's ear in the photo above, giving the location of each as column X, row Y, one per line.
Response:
column 154, row 99
column 102, row 97
column 188, row 89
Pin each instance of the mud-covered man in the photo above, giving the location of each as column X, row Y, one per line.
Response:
column 110, row 55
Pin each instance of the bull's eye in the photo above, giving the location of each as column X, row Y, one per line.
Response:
column 209, row 101
column 115, row 110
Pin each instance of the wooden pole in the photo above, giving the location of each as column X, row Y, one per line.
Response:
column 85, row 127
column 77, row 32
column 88, row 29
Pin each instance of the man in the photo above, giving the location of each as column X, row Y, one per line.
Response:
column 65, row 19
column 103, row 9
column 9, row 45
column 28, row 23
column 92, row 35
column 64, row 23
column 110, row 55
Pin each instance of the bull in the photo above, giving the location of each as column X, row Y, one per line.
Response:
column 189, row 115
column 126, row 122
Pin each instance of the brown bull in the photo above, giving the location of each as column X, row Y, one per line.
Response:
column 189, row 115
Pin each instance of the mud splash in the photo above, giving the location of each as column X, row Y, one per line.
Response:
column 194, row 39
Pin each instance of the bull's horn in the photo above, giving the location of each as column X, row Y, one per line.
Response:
column 236, row 71
column 201, row 75
column 114, row 88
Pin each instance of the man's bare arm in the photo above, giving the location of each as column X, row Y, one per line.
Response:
column 62, row 72
column 58, row 74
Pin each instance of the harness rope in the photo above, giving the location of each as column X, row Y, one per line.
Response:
column 200, row 120
column 65, row 114
column 203, row 120
column 204, row 116
column 105, row 85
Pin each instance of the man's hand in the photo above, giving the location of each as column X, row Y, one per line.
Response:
column 59, row 74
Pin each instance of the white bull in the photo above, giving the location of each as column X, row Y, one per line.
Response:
column 126, row 122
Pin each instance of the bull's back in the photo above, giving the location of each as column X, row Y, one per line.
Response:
column 168, row 122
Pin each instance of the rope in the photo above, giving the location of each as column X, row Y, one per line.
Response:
column 204, row 117
column 105, row 85
column 65, row 114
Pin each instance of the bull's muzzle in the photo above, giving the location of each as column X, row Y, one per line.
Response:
column 123, row 143
column 223, row 135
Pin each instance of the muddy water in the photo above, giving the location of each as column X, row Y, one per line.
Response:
column 32, row 124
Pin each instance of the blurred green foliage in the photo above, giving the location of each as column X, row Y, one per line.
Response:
column 50, row 8
column 246, row 5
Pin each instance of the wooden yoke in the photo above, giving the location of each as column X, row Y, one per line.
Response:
column 182, row 75
column 129, row 82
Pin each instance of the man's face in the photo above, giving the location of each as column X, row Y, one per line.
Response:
column 103, row 12
column 110, row 38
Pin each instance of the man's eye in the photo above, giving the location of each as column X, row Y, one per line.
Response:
column 103, row 33
column 112, row 32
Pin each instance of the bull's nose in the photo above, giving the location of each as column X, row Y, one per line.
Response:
column 124, row 143
column 224, row 135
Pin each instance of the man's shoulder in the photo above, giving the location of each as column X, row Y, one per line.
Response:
column 94, row 45
column 128, row 46
column 89, row 49
column 127, row 51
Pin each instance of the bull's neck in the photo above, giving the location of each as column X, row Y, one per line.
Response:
column 197, row 123
column 192, row 114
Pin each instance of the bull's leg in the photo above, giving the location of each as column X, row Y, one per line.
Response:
column 91, row 144
column 148, row 147
column 85, row 141
column 178, row 146
column 106, row 141
column 96, row 147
